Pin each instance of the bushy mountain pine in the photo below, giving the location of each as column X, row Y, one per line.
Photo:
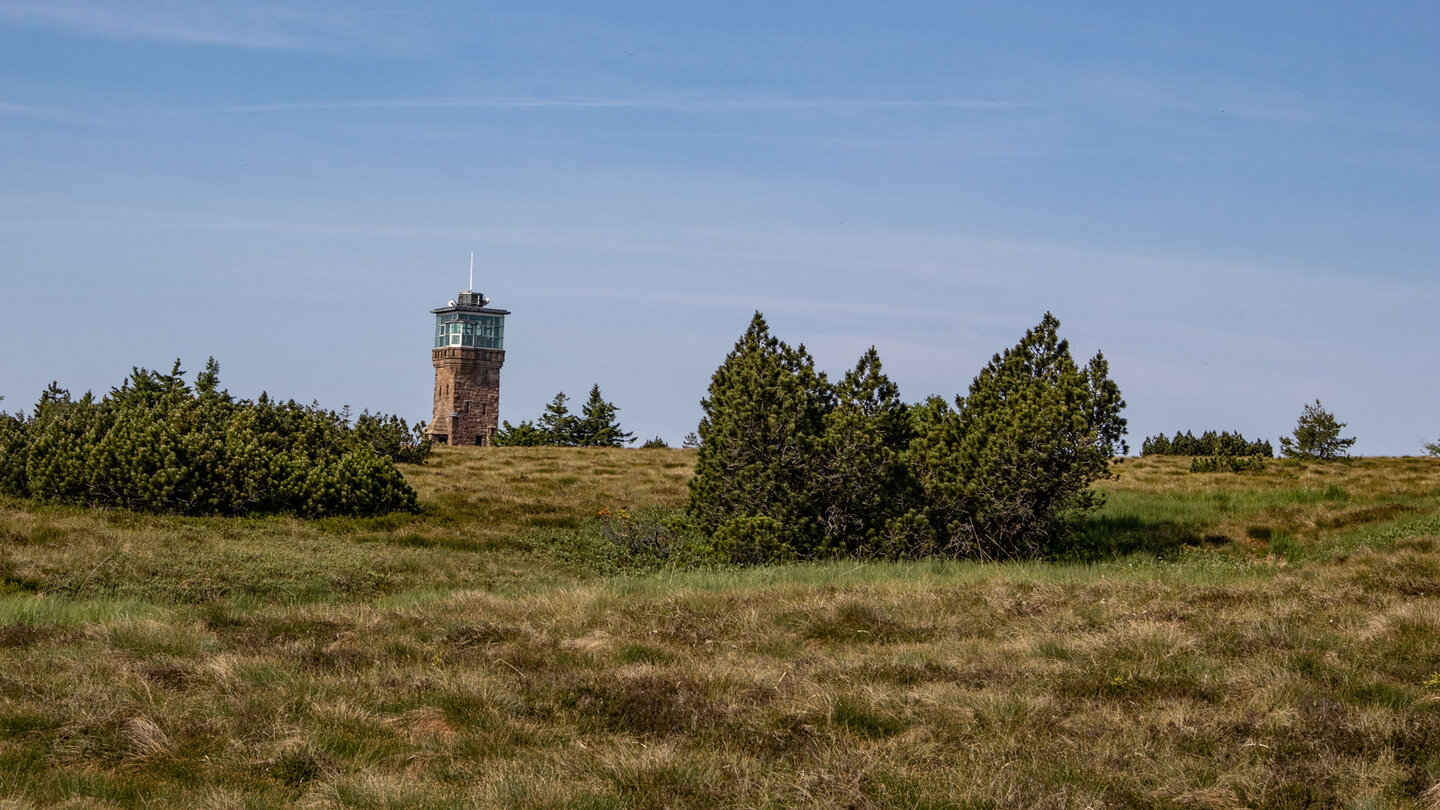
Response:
column 14, row 439
column 791, row 465
column 391, row 437
column 759, row 436
column 861, row 483
column 155, row 444
column 1013, row 469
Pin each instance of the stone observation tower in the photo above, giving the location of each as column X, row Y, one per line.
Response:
column 469, row 350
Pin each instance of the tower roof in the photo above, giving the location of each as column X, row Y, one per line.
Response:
column 468, row 301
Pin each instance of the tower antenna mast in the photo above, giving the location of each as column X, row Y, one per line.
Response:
column 471, row 288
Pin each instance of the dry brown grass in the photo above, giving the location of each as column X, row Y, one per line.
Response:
column 454, row 659
column 495, row 491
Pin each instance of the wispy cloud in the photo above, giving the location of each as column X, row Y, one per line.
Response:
column 275, row 26
column 38, row 113
column 677, row 104
column 1190, row 94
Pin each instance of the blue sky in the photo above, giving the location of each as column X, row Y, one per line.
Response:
column 1238, row 202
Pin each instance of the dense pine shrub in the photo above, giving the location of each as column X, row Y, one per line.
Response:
column 391, row 437
column 791, row 465
column 1224, row 462
column 862, row 484
column 156, row 444
column 1208, row 443
column 14, row 438
column 759, row 441
column 1007, row 473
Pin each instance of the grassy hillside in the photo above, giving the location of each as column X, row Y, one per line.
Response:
column 1225, row 640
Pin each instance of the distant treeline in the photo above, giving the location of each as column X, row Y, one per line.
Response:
column 157, row 444
column 597, row 425
column 1208, row 443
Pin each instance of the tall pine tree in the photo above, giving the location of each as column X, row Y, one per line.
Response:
column 599, row 423
column 558, row 424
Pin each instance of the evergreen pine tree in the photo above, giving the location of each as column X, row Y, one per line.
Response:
column 861, row 482
column 390, row 436
column 763, row 418
column 1316, row 436
column 60, row 436
column 1105, row 407
column 790, row 466
column 599, row 423
column 525, row 434
column 14, row 451
column 1158, row 445
column 558, row 424
column 1011, row 467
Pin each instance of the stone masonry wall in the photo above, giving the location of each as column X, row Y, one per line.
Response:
column 467, row 383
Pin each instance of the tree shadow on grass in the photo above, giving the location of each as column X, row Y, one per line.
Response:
column 1109, row 536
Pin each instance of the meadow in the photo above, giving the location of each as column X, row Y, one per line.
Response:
column 1230, row 640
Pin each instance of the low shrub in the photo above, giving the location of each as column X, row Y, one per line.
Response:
column 754, row 539
column 155, row 444
column 1223, row 462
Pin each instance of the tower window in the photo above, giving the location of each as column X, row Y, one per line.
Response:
column 467, row 407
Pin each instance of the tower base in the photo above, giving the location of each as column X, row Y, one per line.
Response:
column 467, row 395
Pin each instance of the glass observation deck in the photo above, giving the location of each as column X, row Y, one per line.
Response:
column 470, row 323
column 469, row 329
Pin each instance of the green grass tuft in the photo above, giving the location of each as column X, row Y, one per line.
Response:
column 1266, row 639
